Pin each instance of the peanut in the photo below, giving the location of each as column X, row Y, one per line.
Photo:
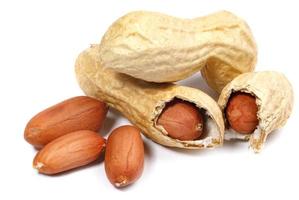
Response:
column 124, row 156
column 181, row 120
column 142, row 102
column 241, row 113
column 77, row 113
column 271, row 102
column 69, row 151
column 160, row 48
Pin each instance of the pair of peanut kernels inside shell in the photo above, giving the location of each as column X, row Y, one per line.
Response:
column 159, row 48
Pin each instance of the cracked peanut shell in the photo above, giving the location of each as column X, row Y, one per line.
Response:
column 274, row 98
column 142, row 102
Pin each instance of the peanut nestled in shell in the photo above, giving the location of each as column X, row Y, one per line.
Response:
column 186, row 127
column 273, row 96
column 241, row 112
column 142, row 102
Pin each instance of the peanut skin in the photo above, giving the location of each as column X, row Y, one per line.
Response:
column 124, row 156
column 70, row 151
column 77, row 113
column 241, row 113
column 182, row 120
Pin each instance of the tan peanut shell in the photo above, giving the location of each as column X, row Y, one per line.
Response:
column 159, row 48
column 141, row 102
column 274, row 98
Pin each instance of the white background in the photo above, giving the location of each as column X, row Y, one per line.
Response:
column 39, row 42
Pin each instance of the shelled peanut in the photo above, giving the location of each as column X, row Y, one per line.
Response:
column 69, row 151
column 77, row 113
column 124, row 156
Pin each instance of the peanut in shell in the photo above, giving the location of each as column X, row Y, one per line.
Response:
column 274, row 98
column 160, row 48
column 142, row 102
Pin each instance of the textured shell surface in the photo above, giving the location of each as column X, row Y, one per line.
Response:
column 141, row 102
column 274, row 97
column 147, row 44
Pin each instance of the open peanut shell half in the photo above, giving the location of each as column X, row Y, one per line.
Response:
column 274, row 99
column 142, row 102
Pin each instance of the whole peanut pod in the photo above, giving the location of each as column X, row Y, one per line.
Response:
column 143, row 103
column 159, row 48
column 270, row 109
column 124, row 156
column 77, row 113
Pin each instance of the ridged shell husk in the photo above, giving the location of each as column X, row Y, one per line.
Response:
column 274, row 98
column 160, row 48
column 141, row 102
